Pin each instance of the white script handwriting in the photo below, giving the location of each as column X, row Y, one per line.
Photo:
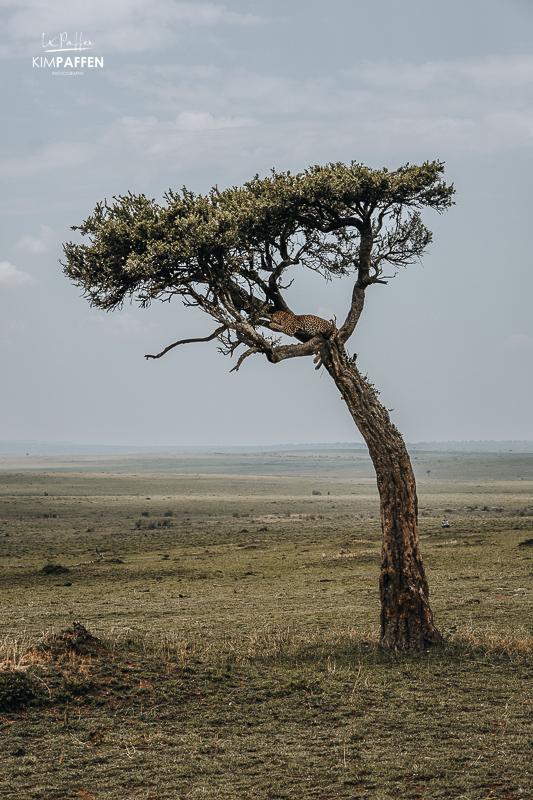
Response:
column 62, row 42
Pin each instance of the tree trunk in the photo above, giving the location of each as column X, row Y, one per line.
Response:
column 406, row 617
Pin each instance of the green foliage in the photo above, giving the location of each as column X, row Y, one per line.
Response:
column 17, row 689
column 228, row 250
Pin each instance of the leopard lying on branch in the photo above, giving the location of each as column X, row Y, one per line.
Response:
column 292, row 324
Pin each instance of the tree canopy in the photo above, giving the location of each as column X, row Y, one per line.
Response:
column 230, row 252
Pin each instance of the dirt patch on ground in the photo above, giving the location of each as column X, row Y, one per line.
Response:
column 75, row 641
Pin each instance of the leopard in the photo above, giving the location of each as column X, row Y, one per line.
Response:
column 292, row 324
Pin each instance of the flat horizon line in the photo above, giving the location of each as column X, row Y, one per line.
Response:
column 32, row 447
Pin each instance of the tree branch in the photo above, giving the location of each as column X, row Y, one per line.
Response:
column 249, row 352
column 257, row 344
column 356, row 308
column 295, row 350
column 190, row 341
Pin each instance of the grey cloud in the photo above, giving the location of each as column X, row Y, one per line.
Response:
column 125, row 326
column 463, row 104
column 11, row 276
column 518, row 342
column 205, row 117
column 60, row 154
column 119, row 26
column 36, row 244
column 11, row 330
column 487, row 72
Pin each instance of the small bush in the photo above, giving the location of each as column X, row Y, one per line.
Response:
column 71, row 688
column 16, row 690
column 54, row 569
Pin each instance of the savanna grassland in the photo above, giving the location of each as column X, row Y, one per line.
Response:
column 207, row 625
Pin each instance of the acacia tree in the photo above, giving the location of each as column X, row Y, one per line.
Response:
column 231, row 254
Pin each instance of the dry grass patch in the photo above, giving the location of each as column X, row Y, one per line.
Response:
column 276, row 713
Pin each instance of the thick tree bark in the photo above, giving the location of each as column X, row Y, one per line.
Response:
column 406, row 617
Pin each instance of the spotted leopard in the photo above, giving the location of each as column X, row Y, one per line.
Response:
column 292, row 324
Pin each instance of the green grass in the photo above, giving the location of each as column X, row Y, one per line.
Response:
column 274, row 715
column 232, row 659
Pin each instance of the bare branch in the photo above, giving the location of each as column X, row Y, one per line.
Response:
column 249, row 352
column 190, row 341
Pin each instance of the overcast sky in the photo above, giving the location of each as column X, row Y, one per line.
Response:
column 199, row 94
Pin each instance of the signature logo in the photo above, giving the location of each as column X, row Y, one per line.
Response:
column 62, row 43
column 67, row 64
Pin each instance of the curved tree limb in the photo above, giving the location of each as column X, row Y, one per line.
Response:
column 282, row 352
column 190, row 341
column 249, row 352
column 356, row 308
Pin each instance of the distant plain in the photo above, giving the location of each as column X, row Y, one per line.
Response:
column 244, row 565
